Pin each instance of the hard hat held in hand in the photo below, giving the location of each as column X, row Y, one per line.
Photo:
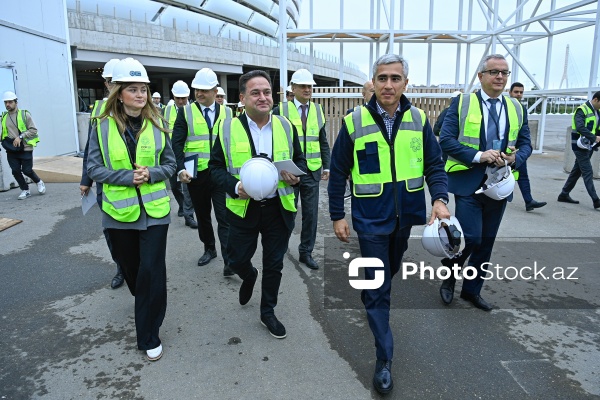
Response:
column 303, row 77
column 584, row 143
column 9, row 96
column 129, row 70
column 180, row 89
column 499, row 184
column 107, row 71
column 205, row 79
column 443, row 238
column 259, row 178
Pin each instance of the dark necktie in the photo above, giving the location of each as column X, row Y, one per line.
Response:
column 207, row 118
column 303, row 108
column 492, row 125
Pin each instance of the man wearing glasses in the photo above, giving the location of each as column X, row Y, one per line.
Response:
column 480, row 130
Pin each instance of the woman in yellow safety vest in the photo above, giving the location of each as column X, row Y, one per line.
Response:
column 130, row 154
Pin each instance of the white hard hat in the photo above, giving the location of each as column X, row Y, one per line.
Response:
column 180, row 89
column 289, row 88
column 129, row 70
column 205, row 79
column 584, row 143
column 8, row 96
column 443, row 238
column 499, row 184
column 303, row 77
column 107, row 71
column 259, row 177
column 220, row 91
column 240, row 104
column 456, row 93
column 156, row 95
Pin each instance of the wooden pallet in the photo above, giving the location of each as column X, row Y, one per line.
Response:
column 6, row 223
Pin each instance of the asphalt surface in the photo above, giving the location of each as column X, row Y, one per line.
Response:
column 64, row 334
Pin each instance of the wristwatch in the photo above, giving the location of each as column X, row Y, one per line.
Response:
column 442, row 200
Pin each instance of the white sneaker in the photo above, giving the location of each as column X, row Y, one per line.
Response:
column 24, row 194
column 155, row 354
column 41, row 187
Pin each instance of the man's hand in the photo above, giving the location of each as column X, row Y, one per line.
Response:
column 185, row 177
column 341, row 229
column 510, row 158
column 490, row 156
column 17, row 142
column 241, row 192
column 84, row 190
column 439, row 211
column 289, row 178
column 141, row 175
column 325, row 175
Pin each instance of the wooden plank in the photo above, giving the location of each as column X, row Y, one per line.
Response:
column 6, row 223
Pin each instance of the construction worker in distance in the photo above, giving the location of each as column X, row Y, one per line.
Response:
column 240, row 109
column 19, row 138
column 221, row 96
column 193, row 137
column 156, row 100
column 181, row 94
column 309, row 120
column 367, row 91
column 289, row 95
column 86, row 182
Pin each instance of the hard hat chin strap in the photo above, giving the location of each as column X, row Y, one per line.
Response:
column 453, row 235
column 263, row 155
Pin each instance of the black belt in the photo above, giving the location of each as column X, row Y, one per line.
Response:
column 268, row 202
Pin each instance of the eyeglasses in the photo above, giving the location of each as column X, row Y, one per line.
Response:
column 495, row 72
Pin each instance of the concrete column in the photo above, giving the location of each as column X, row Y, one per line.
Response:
column 165, row 90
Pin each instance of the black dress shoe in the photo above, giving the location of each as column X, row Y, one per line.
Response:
column 382, row 379
column 191, row 222
column 567, row 199
column 247, row 287
column 276, row 328
column 477, row 301
column 534, row 204
column 308, row 260
column 180, row 212
column 208, row 255
column 117, row 280
column 447, row 290
column 227, row 272
column 597, row 203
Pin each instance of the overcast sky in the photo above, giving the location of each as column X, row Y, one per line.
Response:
column 416, row 16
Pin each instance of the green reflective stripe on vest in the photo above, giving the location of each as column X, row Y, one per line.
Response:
column 121, row 202
column 470, row 120
column 590, row 116
column 314, row 122
column 408, row 152
column 21, row 126
column 359, row 131
column 238, row 150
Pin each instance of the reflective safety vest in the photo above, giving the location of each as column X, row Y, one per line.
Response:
column 99, row 106
column 373, row 164
column 590, row 116
column 237, row 150
column 171, row 116
column 469, row 122
column 122, row 202
column 21, row 125
column 200, row 139
column 309, row 140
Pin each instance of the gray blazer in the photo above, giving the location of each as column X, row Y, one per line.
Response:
column 99, row 173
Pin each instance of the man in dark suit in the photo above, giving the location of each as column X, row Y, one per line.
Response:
column 193, row 135
column 257, row 132
column 309, row 120
column 481, row 129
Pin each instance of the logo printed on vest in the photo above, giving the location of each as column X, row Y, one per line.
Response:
column 145, row 144
column 416, row 144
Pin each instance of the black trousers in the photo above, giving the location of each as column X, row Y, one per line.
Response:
column 141, row 255
column 202, row 196
column 265, row 219
column 22, row 163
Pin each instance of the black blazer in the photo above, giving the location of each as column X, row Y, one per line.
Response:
column 227, row 182
column 180, row 133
